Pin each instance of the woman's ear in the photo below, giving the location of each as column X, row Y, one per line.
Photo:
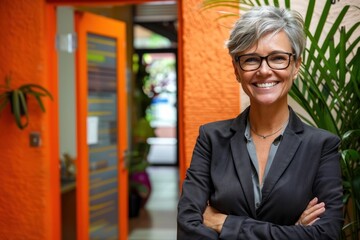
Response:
column 297, row 67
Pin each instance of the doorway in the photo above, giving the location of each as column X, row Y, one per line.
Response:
column 160, row 86
column 161, row 102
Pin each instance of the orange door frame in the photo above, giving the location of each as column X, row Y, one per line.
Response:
column 90, row 23
column 53, row 126
column 52, row 73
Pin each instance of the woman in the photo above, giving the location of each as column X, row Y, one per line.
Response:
column 265, row 174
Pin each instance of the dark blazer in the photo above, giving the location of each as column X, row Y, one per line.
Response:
column 305, row 166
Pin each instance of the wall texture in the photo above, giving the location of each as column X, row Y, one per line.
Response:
column 211, row 91
column 24, row 171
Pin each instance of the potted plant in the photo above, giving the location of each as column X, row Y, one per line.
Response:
column 328, row 89
column 17, row 98
column 139, row 181
column 68, row 168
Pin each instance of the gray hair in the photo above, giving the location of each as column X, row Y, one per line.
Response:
column 257, row 22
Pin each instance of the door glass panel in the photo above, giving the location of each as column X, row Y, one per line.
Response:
column 102, row 138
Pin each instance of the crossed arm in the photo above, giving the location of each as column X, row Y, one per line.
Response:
column 215, row 219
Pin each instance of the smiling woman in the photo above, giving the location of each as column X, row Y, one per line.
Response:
column 264, row 174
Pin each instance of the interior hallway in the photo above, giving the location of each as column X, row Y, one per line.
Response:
column 157, row 221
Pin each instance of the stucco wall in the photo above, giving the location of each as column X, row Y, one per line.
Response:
column 210, row 88
column 24, row 171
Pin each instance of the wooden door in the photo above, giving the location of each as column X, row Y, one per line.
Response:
column 102, row 194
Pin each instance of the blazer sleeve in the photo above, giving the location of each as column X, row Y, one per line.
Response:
column 327, row 187
column 195, row 194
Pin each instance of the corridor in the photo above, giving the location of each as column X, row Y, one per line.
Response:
column 157, row 221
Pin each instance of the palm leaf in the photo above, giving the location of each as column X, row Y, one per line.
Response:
column 19, row 105
column 31, row 88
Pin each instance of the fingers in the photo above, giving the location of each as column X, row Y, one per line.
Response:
column 212, row 218
column 311, row 213
column 311, row 223
column 312, row 202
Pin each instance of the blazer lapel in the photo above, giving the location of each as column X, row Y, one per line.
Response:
column 242, row 160
column 284, row 155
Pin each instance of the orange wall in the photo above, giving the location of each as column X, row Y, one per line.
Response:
column 25, row 206
column 211, row 91
column 28, row 179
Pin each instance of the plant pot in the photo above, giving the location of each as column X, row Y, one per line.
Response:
column 141, row 181
column 134, row 205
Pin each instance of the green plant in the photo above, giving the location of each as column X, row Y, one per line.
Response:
column 17, row 98
column 137, row 165
column 351, row 178
column 142, row 130
column 68, row 169
column 138, row 162
column 328, row 89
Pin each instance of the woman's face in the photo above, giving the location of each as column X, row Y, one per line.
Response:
column 265, row 85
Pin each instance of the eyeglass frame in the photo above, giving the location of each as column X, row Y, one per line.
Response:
column 237, row 59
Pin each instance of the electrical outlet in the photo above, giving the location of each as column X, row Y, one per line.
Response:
column 35, row 139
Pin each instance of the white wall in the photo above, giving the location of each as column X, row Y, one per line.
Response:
column 67, row 99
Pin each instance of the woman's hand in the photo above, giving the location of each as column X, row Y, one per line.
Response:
column 213, row 218
column 311, row 213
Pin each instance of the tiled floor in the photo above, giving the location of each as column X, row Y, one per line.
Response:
column 157, row 221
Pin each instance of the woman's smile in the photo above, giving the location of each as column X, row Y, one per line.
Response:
column 265, row 84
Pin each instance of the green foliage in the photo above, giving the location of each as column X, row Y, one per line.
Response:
column 137, row 159
column 17, row 98
column 328, row 89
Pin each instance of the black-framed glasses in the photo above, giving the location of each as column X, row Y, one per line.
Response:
column 276, row 61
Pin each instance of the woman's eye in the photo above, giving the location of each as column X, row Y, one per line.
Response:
column 251, row 60
column 278, row 58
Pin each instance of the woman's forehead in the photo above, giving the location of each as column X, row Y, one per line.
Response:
column 272, row 41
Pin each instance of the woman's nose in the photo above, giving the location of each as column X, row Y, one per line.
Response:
column 264, row 67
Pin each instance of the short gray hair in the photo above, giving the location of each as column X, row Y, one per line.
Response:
column 257, row 22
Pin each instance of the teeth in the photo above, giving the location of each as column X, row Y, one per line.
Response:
column 265, row 85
